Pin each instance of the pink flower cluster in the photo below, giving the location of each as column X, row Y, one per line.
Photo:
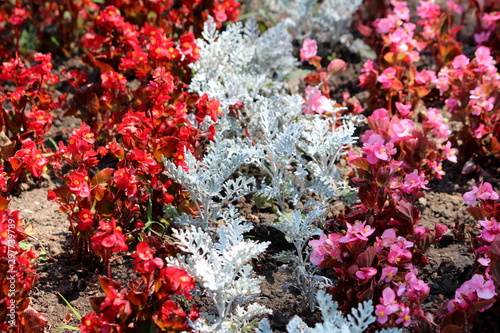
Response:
column 308, row 50
column 396, row 300
column 488, row 26
column 330, row 246
column 481, row 70
column 483, row 192
column 316, row 102
column 472, row 291
column 435, row 121
column 402, row 291
column 389, row 134
column 399, row 31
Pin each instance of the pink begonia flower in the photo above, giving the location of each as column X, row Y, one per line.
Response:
column 399, row 38
column 375, row 149
column 404, row 109
column 455, row 7
column 480, row 104
column 425, row 77
column 419, row 230
column 482, row 37
column 484, row 261
column 484, row 289
column 325, row 246
column 387, row 239
column 366, row 273
column 480, row 131
column 388, row 306
column 435, row 120
column 428, row 32
column 387, row 273
column 491, row 229
column 428, row 10
column 483, row 56
column 477, row 93
column 452, row 103
column 357, row 231
column 414, row 56
column 450, row 153
column 308, row 50
column 398, row 254
column 401, row 10
column 443, row 132
column 488, row 21
column 381, row 113
column 395, row 166
column 403, row 242
column 414, row 181
column 416, row 289
column 460, row 62
column 438, row 168
column 403, row 128
column 387, row 76
column 351, row 157
column 484, row 192
column 316, row 101
column 473, row 289
column 383, row 25
column 404, row 317
column 382, row 313
column 442, row 83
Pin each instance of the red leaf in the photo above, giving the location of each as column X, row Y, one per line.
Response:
column 102, row 177
column 494, row 248
column 102, row 66
column 365, row 259
column 3, row 203
column 405, row 208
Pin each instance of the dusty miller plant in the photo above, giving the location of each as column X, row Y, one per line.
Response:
column 246, row 71
column 238, row 63
column 283, row 147
column 333, row 320
column 324, row 20
column 298, row 229
column 221, row 268
column 209, row 182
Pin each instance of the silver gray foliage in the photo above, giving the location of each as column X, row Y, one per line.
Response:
column 210, row 178
column 324, row 20
column 333, row 320
column 221, row 267
column 238, row 63
column 297, row 154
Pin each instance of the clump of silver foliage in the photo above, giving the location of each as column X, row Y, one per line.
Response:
column 261, row 126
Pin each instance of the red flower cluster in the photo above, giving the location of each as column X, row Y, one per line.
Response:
column 17, row 275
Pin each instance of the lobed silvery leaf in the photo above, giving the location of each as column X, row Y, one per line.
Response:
column 323, row 20
column 210, row 178
column 222, row 268
column 230, row 60
column 296, row 325
column 333, row 320
column 298, row 229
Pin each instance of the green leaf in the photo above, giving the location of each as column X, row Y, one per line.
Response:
column 170, row 211
column 260, row 200
column 25, row 246
column 77, row 315
column 66, row 327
